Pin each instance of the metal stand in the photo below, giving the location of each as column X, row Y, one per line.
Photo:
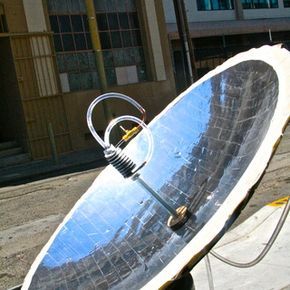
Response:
column 185, row 282
column 209, row 272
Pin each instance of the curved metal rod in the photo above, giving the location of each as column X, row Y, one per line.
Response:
column 266, row 249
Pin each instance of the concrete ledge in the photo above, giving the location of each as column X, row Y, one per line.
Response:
column 230, row 27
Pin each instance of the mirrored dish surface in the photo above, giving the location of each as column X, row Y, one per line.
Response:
column 117, row 236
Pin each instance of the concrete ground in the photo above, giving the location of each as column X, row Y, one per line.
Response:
column 243, row 244
column 30, row 213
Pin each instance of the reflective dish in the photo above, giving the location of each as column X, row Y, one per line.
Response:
column 211, row 145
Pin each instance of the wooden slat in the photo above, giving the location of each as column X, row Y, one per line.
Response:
column 40, row 93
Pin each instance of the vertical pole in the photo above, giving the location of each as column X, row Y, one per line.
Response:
column 184, row 35
column 52, row 143
column 225, row 47
column 238, row 10
column 270, row 36
column 96, row 43
column 209, row 272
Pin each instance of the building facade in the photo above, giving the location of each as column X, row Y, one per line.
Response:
column 49, row 73
column 48, row 66
column 221, row 28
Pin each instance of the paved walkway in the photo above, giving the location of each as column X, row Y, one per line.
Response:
column 243, row 244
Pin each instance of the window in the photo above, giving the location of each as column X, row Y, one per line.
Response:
column 3, row 23
column 256, row 4
column 71, row 32
column 206, row 5
column 120, row 39
column 286, row 3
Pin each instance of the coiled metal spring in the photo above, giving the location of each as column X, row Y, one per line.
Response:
column 120, row 161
